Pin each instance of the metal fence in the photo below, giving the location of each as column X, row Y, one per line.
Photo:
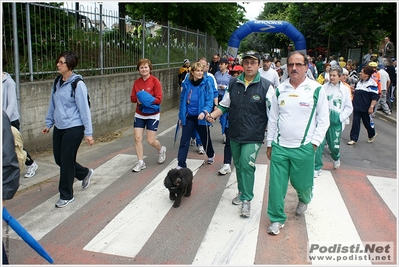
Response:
column 34, row 34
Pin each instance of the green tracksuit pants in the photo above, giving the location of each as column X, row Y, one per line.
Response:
column 289, row 164
column 333, row 139
column 244, row 157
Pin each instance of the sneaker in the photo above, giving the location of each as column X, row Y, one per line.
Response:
column 139, row 167
column 372, row 138
column 274, row 228
column 201, row 149
column 337, row 163
column 225, row 169
column 301, row 208
column 237, row 200
column 86, row 180
column 317, row 173
column 31, row 170
column 246, row 208
column 211, row 160
column 162, row 155
column 62, row 202
column 192, row 142
column 178, row 167
column 351, row 142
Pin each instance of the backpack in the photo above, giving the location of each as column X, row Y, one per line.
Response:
column 74, row 84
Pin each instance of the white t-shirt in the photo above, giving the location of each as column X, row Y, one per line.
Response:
column 384, row 78
column 270, row 75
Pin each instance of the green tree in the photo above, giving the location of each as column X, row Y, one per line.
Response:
column 334, row 25
column 217, row 19
column 265, row 42
column 339, row 25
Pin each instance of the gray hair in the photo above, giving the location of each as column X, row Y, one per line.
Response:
column 336, row 68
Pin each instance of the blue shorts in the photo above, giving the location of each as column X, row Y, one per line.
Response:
column 150, row 124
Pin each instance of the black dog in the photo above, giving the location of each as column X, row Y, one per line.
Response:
column 179, row 183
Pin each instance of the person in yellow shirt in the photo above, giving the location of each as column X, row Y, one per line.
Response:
column 342, row 62
column 184, row 70
column 324, row 77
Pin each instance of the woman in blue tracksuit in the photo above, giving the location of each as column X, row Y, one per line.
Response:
column 196, row 97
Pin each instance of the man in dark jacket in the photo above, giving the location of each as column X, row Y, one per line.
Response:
column 10, row 167
column 214, row 64
column 246, row 102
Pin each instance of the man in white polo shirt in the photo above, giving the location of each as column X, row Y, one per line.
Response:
column 298, row 121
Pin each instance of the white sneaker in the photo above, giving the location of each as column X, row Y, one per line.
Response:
column 237, row 200
column 225, row 169
column 211, row 160
column 274, row 228
column 192, row 142
column 301, row 208
column 201, row 150
column 337, row 163
column 317, row 173
column 139, row 167
column 162, row 155
column 31, row 171
column 370, row 140
column 246, row 208
column 351, row 142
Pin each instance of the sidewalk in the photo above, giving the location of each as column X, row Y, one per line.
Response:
column 390, row 118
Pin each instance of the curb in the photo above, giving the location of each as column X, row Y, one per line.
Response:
column 390, row 118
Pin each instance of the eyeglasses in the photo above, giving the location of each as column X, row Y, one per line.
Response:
column 252, row 63
column 297, row 65
column 61, row 62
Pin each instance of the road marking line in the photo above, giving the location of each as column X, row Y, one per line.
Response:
column 128, row 232
column 45, row 217
column 387, row 189
column 328, row 220
column 231, row 239
column 167, row 131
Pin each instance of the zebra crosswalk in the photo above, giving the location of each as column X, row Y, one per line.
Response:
column 226, row 239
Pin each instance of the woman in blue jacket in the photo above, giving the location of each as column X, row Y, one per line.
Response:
column 196, row 97
column 69, row 113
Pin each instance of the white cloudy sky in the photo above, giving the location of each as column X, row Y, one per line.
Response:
column 253, row 8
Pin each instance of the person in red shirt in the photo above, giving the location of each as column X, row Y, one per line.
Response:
column 147, row 93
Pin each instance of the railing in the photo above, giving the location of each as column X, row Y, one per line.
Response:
column 34, row 34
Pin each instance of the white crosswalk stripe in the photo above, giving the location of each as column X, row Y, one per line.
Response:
column 328, row 219
column 387, row 189
column 231, row 239
column 139, row 219
column 42, row 219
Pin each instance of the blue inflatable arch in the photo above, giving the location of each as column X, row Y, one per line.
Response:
column 273, row 26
